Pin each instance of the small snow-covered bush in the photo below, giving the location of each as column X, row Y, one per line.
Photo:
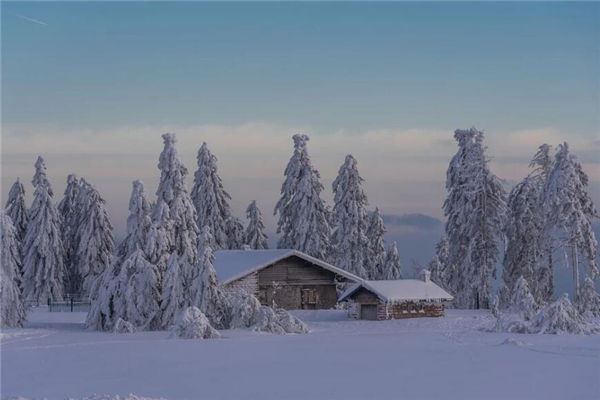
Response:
column 193, row 324
column 247, row 312
column 122, row 326
column 290, row 323
column 561, row 317
column 588, row 303
column 243, row 307
column 265, row 320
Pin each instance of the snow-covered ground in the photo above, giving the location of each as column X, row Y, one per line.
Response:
column 430, row 358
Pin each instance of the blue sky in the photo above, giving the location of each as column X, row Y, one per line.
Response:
column 93, row 85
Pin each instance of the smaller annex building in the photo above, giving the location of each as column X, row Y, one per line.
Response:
column 394, row 299
column 288, row 279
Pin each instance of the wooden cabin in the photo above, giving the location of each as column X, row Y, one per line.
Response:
column 287, row 279
column 395, row 299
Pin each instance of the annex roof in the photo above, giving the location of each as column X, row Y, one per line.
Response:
column 400, row 290
column 232, row 265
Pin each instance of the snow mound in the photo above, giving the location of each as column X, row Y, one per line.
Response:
column 193, row 324
column 103, row 397
column 123, row 326
column 512, row 342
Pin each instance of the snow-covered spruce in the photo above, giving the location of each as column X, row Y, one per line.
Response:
column 138, row 221
column 206, row 294
column 351, row 248
column 142, row 294
column 17, row 210
column 70, row 211
column 12, row 309
column 109, row 298
column 193, row 324
column 181, row 223
column 211, row 199
column 235, row 230
column 569, row 211
column 255, row 236
column 303, row 216
column 522, row 301
column 159, row 239
column 392, row 269
column 528, row 251
column 95, row 242
column 43, row 252
column 588, row 302
column 173, row 291
column 377, row 267
column 441, row 270
column 474, row 209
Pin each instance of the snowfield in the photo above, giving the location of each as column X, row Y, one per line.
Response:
column 428, row 358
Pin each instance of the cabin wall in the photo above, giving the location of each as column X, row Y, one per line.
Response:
column 292, row 284
column 249, row 284
column 395, row 310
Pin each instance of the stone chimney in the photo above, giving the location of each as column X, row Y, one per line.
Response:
column 425, row 275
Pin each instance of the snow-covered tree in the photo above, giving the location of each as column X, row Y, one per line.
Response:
column 142, row 295
column 377, row 267
column 204, row 287
column 569, row 211
column 588, row 303
column 351, row 248
column 138, row 221
column 392, row 268
column 12, row 309
column 17, row 210
column 173, row 298
column 441, row 270
column 522, row 300
column 159, row 239
column 303, row 216
column 255, row 231
column 70, row 211
column 235, row 230
column 95, row 242
column 43, row 267
column 527, row 253
column 211, row 199
column 110, row 296
column 475, row 209
column 172, row 190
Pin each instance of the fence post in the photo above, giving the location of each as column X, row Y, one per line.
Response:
column 49, row 305
column 71, row 304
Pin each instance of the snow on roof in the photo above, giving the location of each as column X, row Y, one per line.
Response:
column 400, row 290
column 232, row 265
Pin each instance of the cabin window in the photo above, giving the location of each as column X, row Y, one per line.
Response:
column 309, row 298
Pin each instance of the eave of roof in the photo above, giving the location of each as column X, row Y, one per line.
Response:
column 366, row 285
column 290, row 253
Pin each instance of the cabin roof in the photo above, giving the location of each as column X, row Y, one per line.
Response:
column 232, row 265
column 400, row 290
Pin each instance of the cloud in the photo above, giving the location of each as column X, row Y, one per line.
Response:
column 35, row 21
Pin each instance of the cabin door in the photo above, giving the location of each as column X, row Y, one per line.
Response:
column 368, row 311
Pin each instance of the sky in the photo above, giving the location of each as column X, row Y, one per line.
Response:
column 92, row 86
